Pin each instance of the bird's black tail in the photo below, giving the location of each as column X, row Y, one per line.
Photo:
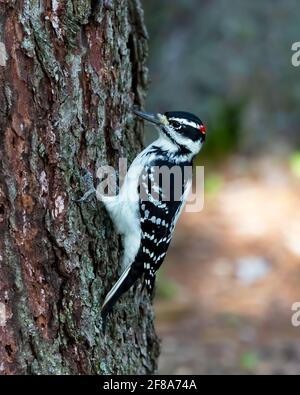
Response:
column 127, row 279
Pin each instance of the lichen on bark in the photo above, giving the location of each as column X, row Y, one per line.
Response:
column 71, row 73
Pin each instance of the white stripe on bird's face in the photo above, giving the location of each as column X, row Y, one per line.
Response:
column 185, row 122
column 175, row 139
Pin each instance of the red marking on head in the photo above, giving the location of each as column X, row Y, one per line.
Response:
column 202, row 129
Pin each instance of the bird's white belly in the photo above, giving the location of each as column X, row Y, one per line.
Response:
column 128, row 223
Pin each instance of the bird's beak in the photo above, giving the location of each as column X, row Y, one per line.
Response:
column 156, row 119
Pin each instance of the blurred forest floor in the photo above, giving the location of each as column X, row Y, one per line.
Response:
column 232, row 274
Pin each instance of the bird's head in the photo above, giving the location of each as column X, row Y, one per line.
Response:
column 183, row 130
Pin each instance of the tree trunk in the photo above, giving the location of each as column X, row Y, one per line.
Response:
column 70, row 72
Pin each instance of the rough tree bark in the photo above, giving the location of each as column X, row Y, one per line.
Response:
column 70, row 71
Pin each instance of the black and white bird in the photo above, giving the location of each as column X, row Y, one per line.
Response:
column 145, row 212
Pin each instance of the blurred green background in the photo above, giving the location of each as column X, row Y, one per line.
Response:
column 232, row 274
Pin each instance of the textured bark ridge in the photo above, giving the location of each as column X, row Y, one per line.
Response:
column 70, row 70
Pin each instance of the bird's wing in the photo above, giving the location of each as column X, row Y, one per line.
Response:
column 159, row 211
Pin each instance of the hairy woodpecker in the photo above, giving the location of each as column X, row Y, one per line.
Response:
column 143, row 212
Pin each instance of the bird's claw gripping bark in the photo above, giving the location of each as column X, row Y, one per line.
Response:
column 85, row 197
column 89, row 184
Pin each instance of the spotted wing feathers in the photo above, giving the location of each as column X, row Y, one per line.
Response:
column 158, row 214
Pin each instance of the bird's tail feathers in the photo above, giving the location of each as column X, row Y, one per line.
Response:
column 127, row 279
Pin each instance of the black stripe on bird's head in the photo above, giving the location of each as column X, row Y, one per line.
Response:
column 187, row 124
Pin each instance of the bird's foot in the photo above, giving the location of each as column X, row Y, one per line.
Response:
column 89, row 185
column 86, row 196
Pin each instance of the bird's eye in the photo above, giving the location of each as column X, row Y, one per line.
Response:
column 176, row 124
